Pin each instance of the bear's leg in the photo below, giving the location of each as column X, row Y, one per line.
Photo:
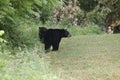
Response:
column 47, row 47
column 55, row 46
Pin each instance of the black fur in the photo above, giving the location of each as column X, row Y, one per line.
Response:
column 52, row 37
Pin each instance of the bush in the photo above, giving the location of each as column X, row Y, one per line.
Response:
column 23, row 33
column 28, row 34
column 89, row 30
column 65, row 22
column 2, row 41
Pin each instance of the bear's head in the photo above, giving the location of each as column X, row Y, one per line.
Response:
column 42, row 29
column 41, row 33
column 65, row 33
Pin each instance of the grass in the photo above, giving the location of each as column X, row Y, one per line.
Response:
column 88, row 57
column 89, row 30
column 25, row 65
column 81, row 57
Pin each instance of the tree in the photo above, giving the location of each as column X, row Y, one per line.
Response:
column 45, row 8
column 88, row 5
column 12, row 12
column 112, row 18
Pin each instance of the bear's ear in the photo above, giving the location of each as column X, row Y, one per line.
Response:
column 65, row 33
column 64, row 29
column 42, row 28
column 39, row 28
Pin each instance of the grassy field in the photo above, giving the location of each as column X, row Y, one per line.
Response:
column 25, row 65
column 83, row 57
column 88, row 57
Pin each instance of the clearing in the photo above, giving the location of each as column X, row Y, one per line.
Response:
column 88, row 57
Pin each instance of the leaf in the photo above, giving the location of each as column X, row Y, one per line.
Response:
column 38, row 2
column 4, row 2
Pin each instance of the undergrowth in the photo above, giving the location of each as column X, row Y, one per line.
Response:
column 27, row 64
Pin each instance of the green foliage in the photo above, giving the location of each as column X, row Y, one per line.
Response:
column 45, row 8
column 88, row 5
column 65, row 21
column 2, row 41
column 13, row 14
column 27, row 64
column 25, row 34
column 80, row 15
column 97, row 11
column 18, row 18
column 89, row 30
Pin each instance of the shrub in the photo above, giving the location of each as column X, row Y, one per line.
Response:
column 89, row 30
column 2, row 41
column 65, row 22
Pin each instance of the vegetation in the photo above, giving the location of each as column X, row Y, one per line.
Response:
column 2, row 40
column 87, row 57
column 26, row 65
column 22, row 56
column 18, row 13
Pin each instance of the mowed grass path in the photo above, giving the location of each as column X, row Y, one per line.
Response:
column 88, row 57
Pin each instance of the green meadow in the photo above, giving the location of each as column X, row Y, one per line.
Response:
column 88, row 57
column 91, row 53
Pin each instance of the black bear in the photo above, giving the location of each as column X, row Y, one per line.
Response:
column 41, row 33
column 52, row 37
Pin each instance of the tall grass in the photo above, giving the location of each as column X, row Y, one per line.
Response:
column 89, row 30
column 27, row 64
